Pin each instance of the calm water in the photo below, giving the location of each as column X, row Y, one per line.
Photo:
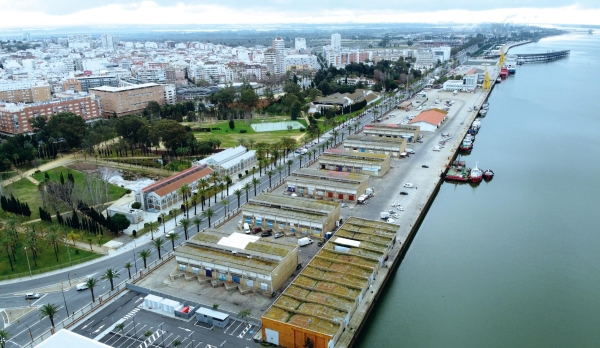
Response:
column 514, row 262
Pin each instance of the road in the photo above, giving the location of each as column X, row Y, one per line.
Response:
column 12, row 294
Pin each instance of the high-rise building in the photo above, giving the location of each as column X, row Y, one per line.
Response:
column 300, row 44
column 128, row 100
column 279, row 47
column 336, row 41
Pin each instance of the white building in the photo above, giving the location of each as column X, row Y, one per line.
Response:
column 426, row 57
column 229, row 161
column 336, row 41
column 300, row 44
column 170, row 94
column 279, row 47
column 442, row 53
column 467, row 84
column 302, row 59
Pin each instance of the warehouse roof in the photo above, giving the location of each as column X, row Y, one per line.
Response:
column 240, row 243
column 292, row 216
column 374, row 139
column 433, row 116
column 304, row 205
column 330, row 175
column 321, row 184
column 174, row 182
column 328, row 289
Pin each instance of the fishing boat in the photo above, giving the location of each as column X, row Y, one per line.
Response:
column 466, row 145
column 476, row 174
column 482, row 112
column 458, row 171
column 488, row 174
column 498, row 80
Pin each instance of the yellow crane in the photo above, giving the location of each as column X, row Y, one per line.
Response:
column 486, row 81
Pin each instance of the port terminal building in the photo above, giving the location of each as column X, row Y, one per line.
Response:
column 302, row 217
column 319, row 303
column 327, row 184
column 429, row 120
column 355, row 162
column 391, row 130
column 373, row 144
column 239, row 261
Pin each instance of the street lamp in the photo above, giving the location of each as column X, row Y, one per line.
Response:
column 68, row 252
column 133, row 251
column 28, row 265
column 64, row 299
column 162, row 335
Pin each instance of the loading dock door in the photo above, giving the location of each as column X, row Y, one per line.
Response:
column 209, row 272
column 272, row 336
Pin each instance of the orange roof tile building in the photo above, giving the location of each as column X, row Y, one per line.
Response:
column 429, row 120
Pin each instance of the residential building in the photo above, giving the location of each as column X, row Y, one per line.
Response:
column 170, row 94
column 25, row 91
column 353, row 162
column 426, row 58
column 300, row 216
column 327, row 185
column 163, row 195
column 336, row 41
column 14, row 118
column 151, row 75
column 321, row 300
column 278, row 45
column 83, row 84
column 302, row 59
column 442, row 53
column 429, row 120
column 237, row 260
column 128, row 100
column 374, row 144
column 300, row 44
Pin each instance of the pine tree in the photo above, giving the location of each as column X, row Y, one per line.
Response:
column 62, row 179
column 3, row 203
column 75, row 220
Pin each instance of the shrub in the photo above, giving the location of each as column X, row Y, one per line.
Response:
column 128, row 191
column 136, row 205
column 243, row 131
column 240, row 175
column 246, row 171
column 302, row 129
column 38, row 171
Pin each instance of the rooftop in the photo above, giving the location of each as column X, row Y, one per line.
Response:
column 290, row 215
column 433, row 116
column 122, row 89
column 330, row 175
column 239, row 242
column 173, row 183
column 374, row 139
column 300, row 204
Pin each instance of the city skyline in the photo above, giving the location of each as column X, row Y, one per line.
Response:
column 36, row 14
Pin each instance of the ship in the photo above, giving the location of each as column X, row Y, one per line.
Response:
column 488, row 174
column 511, row 63
column 466, row 145
column 483, row 112
column 476, row 174
column 458, row 171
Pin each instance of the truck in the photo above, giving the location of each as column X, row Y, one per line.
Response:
column 384, row 215
column 304, row 241
column 362, row 199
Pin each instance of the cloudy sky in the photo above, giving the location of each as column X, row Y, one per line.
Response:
column 64, row 13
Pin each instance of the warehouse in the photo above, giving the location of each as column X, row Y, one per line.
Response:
column 245, row 262
column 327, row 185
column 371, row 144
column 353, row 162
column 300, row 216
column 411, row 132
column 230, row 161
column 429, row 120
column 319, row 303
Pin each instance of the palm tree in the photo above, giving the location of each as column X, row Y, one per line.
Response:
column 6, row 243
column 53, row 238
column 314, row 153
column 158, row 244
column 4, row 337
column 144, row 254
column 300, row 158
column 228, row 181
column 173, row 237
column 184, row 191
column 197, row 222
column 111, row 274
column 195, row 202
column 208, row 213
column 289, row 164
column 270, row 174
column 48, row 310
column 244, row 314
column 280, row 169
column 128, row 266
column 255, row 181
column 91, row 284
column 238, row 193
column 173, row 212
column 151, row 227
column 185, row 223
column 163, row 219
column 225, row 203
column 247, row 187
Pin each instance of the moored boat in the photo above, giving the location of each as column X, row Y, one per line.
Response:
column 483, row 112
column 476, row 174
column 488, row 174
column 457, row 172
column 498, row 80
column 466, row 145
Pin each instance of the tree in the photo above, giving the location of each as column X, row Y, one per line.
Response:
column 176, row 343
column 120, row 327
column 4, row 337
column 270, row 174
column 255, row 181
column 185, row 223
column 208, row 213
column 144, row 254
column 67, row 126
column 49, row 310
column 197, row 222
column 91, row 284
column 231, row 124
column 173, row 212
column 247, row 187
column 111, row 274
column 238, row 193
column 128, row 266
column 244, row 314
column 225, row 204
column 120, row 221
column 158, row 244
column 289, row 164
column 152, row 227
column 173, row 237
column 163, row 218
column 295, row 109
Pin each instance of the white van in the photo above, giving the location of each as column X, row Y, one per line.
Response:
column 455, row 92
column 81, row 286
column 436, row 148
column 304, row 241
column 411, row 151
column 247, row 228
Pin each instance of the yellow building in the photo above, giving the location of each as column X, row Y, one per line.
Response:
column 128, row 100
column 374, row 144
column 249, row 262
column 391, row 130
column 327, row 184
column 319, row 303
column 355, row 162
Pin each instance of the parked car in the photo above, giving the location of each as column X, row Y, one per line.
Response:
column 408, row 185
column 278, row 235
column 268, row 233
column 31, row 296
column 404, row 193
column 425, row 166
column 257, row 230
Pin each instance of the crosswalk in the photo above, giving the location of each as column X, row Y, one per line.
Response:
column 131, row 314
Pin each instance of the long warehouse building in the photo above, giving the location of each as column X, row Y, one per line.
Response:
column 327, row 185
column 353, row 162
column 372, row 144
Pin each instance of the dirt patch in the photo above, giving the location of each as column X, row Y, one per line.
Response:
column 91, row 168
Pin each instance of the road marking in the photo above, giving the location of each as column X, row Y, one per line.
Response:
column 184, row 329
column 39, row 299
column 222, row 344
column 99, row 329
column 86, row 325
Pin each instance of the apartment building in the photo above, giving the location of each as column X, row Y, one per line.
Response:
column 14, row 118
column 83, row 84
column 130, row 99
column 25, row 91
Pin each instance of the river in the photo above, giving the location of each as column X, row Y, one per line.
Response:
column 514, row 262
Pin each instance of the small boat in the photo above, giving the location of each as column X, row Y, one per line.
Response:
column 485, row 106
column 476, row 174
column 483, row 112
column 466, row 145
column 457, row 172
column 498, row 80
column 488, row 174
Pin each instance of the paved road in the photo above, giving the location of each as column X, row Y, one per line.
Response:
column 11, row 294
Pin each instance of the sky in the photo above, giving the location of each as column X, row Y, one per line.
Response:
column 23, row 14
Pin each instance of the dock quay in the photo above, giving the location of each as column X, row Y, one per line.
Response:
column 427, row 183
column 542, row 57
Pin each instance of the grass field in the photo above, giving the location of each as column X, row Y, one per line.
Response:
column 229, row 137
column 46, row 261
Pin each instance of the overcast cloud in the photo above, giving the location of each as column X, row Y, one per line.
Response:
column 55, row 13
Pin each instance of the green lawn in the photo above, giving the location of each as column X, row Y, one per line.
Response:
column 26, row 191
column 46, row 261
column 229, row 137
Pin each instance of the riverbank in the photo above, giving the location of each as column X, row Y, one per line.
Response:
column 429, row 182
